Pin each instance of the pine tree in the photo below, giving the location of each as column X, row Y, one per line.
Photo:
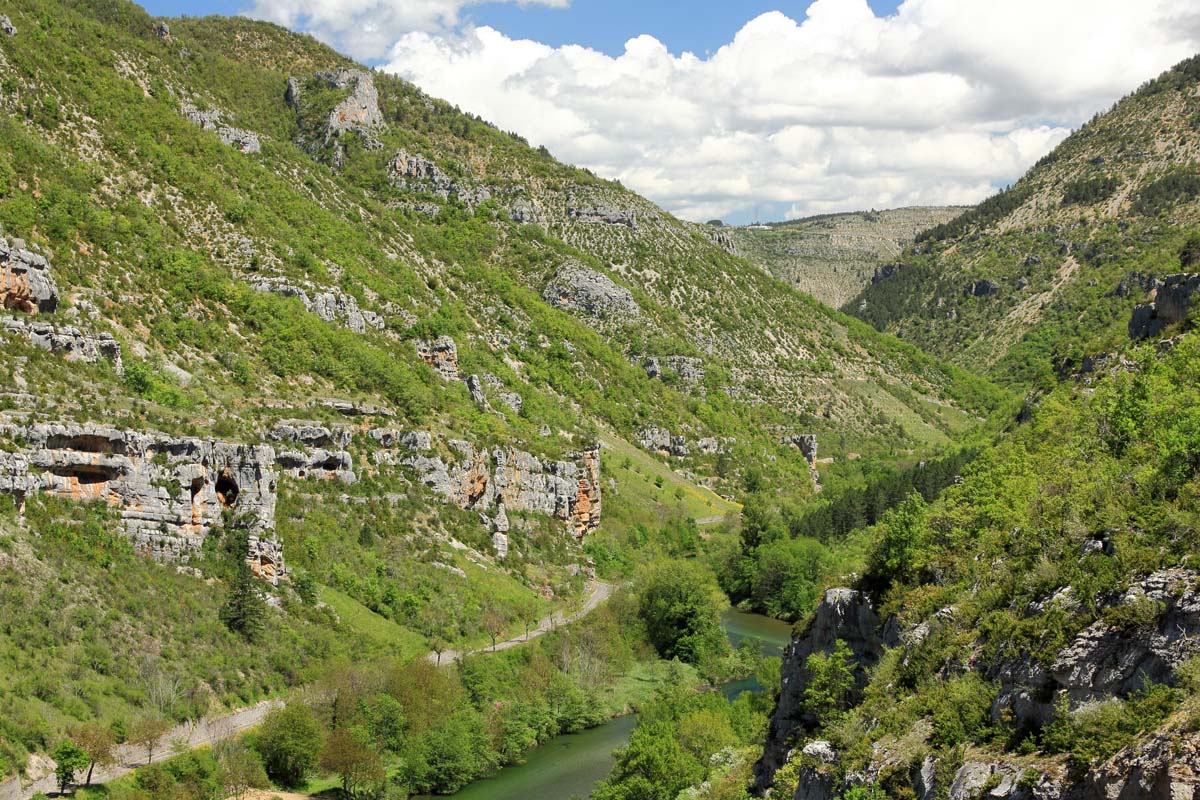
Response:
column 244, row 608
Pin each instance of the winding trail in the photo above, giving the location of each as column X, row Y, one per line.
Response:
column 210, row 731
column 598, row 592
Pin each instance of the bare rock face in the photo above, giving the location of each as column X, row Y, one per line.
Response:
column 171, row 492
column 475, row 387
column 26, row 284
column 317, row 464
column 360, row 110
column 331, row 305
column 1170, row 306
column 311, row 434
column 68, row 341
column 1104, row 661
column 1166, row 766
column 500, row 480
column 843, row 614
column 441, row 354
column 210, row 120
column 574, row 287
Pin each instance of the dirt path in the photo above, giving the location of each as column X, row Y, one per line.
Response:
column 598, row 592
column 129, row 758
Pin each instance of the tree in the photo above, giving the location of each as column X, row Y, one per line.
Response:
column 148, row 732
column 348, row 753
column 653, row 766
column 830, row 683
column 493, row 623
column 99, row 743
column 240, row 770
column 678, row 604
column 289, row 742
column 69, row 758
column 244, row 608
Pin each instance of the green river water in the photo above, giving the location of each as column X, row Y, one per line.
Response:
column 571, row 766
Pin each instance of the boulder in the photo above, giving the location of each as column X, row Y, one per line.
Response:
column 7, row 26
column 475, row 387
column 661, row 440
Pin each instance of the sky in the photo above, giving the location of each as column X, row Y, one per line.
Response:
column 766, row 110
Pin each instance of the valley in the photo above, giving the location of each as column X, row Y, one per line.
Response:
column 352, row 447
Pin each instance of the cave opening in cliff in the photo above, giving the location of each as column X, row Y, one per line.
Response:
column 227, row 490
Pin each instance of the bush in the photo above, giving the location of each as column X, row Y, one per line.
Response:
column 289, row 742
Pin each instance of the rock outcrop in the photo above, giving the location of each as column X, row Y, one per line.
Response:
column 171, row 492
column 885, row 272
column 982, row 288
column 661, row 440
column 7, row 26
column 1170, row 305
column 574, row 287
column 317, row 452
column 499, row 480
column 331, row 305
column 1105, row 661
column 417, row 173
column 690, row 370
column 26, row 284
column 210, row 120
column 843, row 614
column 68, row 341
column 441, row 354
column 604, row 215
column 358, row 112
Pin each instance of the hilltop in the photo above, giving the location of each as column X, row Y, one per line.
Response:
column 1043, row 274
column 833, row 257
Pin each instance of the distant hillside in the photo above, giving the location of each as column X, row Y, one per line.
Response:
column 1033, row 279
column 833, row 256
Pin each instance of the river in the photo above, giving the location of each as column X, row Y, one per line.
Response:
column 570, row 766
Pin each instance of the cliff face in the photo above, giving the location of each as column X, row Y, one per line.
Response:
column 846, row 615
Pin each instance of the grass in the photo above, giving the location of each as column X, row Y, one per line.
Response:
column 637, row 488
column 361, row 619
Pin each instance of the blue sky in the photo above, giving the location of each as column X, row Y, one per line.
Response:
column 698, row 26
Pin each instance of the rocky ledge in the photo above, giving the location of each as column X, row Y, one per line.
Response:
column 171, row 492
column 495, row 482
column 68, row 341
column 26, row 284
column 331, row 305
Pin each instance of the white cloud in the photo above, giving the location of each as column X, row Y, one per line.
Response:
column 937, row 103
column 366, row 29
